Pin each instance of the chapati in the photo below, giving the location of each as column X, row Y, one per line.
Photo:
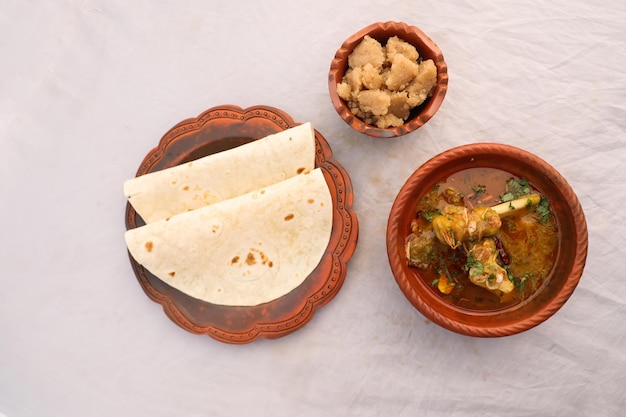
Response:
column 243, row 251
column 213, row 178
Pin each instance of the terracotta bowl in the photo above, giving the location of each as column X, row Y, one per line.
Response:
column 381, row 32
column 548, row 298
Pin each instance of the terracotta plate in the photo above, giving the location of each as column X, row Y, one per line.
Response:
column 219, row 129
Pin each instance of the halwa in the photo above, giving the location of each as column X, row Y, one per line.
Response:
column 384, row 83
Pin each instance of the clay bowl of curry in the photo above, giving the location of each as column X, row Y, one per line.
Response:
column 388, row 79
column 487, row 240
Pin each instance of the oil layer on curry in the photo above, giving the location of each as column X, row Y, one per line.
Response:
column 483, row 238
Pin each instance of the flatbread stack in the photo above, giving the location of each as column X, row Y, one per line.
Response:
column 239, row 228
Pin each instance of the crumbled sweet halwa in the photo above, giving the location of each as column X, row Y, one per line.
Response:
column 384, row 83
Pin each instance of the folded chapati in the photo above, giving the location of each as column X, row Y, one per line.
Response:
column 162, row 194
column 243, row 251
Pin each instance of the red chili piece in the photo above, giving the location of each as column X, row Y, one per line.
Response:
column 503, row 256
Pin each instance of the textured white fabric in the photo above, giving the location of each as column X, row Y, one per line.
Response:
column 88, row 87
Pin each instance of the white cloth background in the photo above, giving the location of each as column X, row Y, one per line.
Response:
column 88, row 87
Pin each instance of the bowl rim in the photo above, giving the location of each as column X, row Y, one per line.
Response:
column 339, row 65
column 493, row 323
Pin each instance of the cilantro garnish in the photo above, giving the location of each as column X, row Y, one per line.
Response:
column 430, row 214
column 543, row 210
column 472, row 262
column 529, row 204
column 479, row 189
column 515, row 189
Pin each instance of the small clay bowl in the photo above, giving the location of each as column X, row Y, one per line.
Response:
column 381, row 32
column 548, row 298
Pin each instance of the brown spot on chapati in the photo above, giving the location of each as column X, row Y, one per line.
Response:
column 174, row 182
column 262, row 191
column 167, row 219
column 270, row 264
column 234, row 260
column 288, row 217
column 171, row 274
column 190, row 164
column 264, row 258
column 250, row 259
column 186, row 188
column 149, row 245
column 310, row 201
column 301, row 170
column 215, row 228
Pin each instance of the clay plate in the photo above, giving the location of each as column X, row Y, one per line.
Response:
column 219, row 129
column 381, row 32
column 556, row 289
